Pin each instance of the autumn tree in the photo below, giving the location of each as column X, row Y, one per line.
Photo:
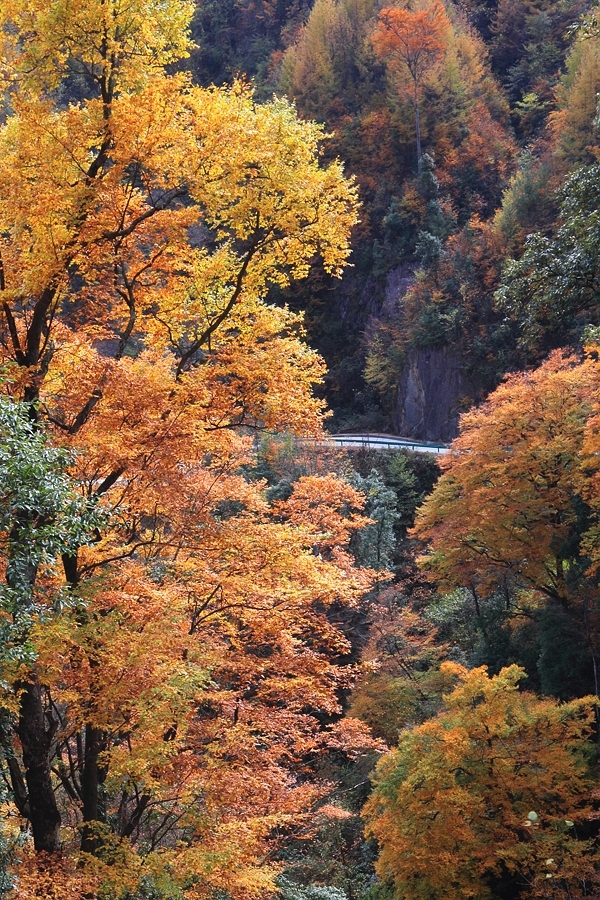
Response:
column 321, row 69
column 492, row 793
column 41, row 517
column 401, row 682
column 136, row 255
column 515, row 508
column 412, row 42
column 574, row 123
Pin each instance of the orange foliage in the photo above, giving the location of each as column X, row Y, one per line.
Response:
column 412, row 39
column 484, row 158
column 48, row 877
column 180, row 675
column 496, row 786
column 327, row 506
column 507, row 506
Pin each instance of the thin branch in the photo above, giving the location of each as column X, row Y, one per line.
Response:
column 160, row 206
column 239, row 284
column 12, row 328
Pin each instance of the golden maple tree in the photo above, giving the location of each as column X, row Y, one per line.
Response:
column 177, row 652
column 510, row 504
column 515, row 512
column 495, row 788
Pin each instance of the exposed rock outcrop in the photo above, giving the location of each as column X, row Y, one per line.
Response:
column 432, row 392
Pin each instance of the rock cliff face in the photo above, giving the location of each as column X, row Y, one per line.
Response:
column 432, row 393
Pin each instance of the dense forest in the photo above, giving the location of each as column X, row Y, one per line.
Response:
column 237, row 662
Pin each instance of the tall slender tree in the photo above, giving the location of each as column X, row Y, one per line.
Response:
column 412, row 42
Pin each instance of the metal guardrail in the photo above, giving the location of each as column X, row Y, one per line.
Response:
column 387, row 442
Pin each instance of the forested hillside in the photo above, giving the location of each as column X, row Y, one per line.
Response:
column 507, row 107
column 237, row 663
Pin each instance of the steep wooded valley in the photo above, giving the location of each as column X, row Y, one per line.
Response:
column 237, row 661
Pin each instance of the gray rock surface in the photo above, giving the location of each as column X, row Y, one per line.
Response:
column 432, row 392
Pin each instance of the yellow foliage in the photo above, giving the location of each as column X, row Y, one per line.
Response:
column 573, row 124
column 140, row 232
column 496, row 784
column 505, row 506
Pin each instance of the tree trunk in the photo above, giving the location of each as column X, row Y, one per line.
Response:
column 91, row 780
column 36, row 735
column 35, row 728
column 418, row 130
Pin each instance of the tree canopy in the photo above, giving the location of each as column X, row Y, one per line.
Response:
column 514, row 500
column 492, row 792
column 211, row 620
column 557, row 279
column 143, row 220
